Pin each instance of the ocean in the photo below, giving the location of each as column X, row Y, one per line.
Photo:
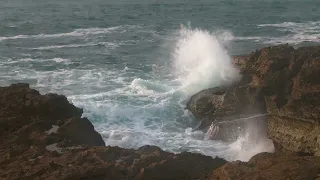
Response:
column 133, row 65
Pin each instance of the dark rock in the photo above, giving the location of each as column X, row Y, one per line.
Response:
column 206, row 101
column 270, row 166
column 69, row 131
column 44, row 137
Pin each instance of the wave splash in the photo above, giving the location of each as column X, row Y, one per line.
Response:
column 201, row 60
column 131, row 107
column 150, row 112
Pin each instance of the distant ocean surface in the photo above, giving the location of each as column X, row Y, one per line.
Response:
column 132, row 65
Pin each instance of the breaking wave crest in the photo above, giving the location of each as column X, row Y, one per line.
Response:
column 201, row 60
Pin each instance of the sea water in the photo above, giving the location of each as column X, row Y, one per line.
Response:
column 133, row 65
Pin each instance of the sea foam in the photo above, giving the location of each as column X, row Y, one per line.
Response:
column 201, row 61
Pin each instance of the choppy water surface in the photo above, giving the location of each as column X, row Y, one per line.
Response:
column 131, row 66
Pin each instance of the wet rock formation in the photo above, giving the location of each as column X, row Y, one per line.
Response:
column 281, row 81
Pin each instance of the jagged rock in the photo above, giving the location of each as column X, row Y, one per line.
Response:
column 114, row 163
column 289, row 79
column 270, row 166
column 26, row 115
column 239, row 61
column 44, row 137
column 295, row 104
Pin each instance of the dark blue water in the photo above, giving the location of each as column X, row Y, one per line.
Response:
column 132, row 66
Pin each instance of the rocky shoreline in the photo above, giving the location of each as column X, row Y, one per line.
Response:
column 46, row 137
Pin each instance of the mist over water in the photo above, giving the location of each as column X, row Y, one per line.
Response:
column 132, row 68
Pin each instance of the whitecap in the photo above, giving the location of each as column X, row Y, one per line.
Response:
column 107, row 44
column 147, row 87
column 76, row 33
column 299, row 33
column 59, row 60
column 27, row 60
